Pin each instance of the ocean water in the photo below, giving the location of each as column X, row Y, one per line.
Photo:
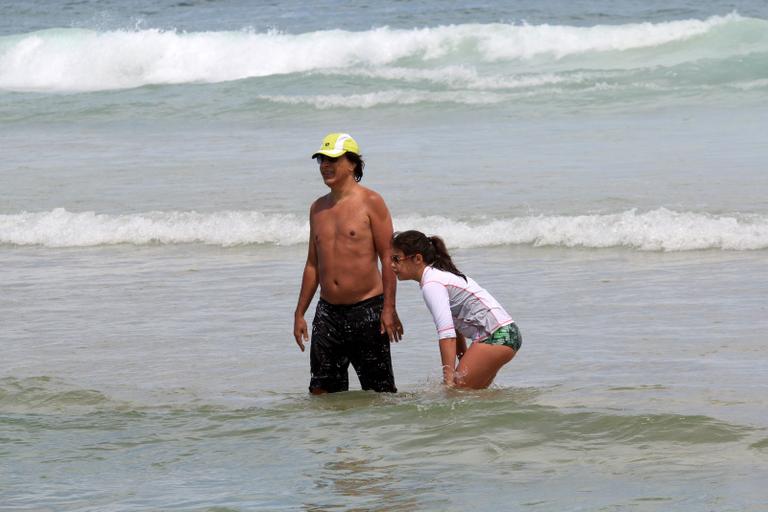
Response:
column 598, row 166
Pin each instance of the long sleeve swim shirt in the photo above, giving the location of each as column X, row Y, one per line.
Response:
column 459, row 305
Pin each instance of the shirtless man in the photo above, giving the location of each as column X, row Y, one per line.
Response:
column 349, row 230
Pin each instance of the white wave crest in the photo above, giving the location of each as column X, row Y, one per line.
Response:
column 656, row 230
column 87, row 60
column 391, row 97
column 467, row 77
column 61, row 228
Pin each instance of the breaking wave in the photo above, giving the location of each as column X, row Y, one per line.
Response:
column 474, row 56
column 656, row 230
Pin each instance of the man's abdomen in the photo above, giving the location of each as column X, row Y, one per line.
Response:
column 347, row 285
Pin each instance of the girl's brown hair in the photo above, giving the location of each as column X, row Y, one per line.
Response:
column 431, row 248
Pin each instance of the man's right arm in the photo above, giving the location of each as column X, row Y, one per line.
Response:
column 309, row 282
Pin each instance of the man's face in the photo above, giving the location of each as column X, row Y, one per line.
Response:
column 335, row 170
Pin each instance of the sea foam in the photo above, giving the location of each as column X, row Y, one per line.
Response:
column 656, row 230
column 58, row 60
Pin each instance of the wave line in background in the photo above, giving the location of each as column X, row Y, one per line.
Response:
column 656, row 230
column 80, row 60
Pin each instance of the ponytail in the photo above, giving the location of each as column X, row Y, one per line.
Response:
column 443, row 260
column 432, row 249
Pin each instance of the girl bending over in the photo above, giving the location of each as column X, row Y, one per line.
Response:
column 461, row 310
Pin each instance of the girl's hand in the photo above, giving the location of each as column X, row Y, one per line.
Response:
column 461, row 345
column 448, row 375
column 448, row 358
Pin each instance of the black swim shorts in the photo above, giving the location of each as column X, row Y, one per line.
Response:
column 350, row 333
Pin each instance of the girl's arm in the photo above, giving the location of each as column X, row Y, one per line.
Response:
column 436, row 297
column 448, row 356
column 461, row 345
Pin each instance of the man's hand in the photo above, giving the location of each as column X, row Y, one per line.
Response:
column 300, row 331
column 390, row 323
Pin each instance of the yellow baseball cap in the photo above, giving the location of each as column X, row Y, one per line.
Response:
column 336, row 144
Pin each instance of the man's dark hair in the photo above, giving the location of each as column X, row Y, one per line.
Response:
column 359, row 164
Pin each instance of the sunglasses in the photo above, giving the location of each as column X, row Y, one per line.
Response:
column 398, row 259
column 321, row 158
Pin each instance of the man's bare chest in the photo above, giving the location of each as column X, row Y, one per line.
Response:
column 342, row 225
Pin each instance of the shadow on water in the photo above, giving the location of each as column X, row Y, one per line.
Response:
column 362, row 485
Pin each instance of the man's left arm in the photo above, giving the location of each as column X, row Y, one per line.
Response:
column 381, row 227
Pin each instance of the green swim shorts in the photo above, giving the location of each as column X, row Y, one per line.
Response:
column 508, row 335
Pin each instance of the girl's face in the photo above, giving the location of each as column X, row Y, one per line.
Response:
column 406, row 267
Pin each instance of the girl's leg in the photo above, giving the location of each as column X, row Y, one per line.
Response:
column 480, row 363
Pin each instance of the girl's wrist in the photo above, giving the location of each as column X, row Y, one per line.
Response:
column 448, row 374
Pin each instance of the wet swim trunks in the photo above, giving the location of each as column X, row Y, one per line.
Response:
column 344, row 334
column 508, row 335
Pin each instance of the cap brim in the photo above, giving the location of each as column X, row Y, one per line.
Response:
column 330, row 152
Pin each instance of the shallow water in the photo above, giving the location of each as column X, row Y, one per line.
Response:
column 165, row 395
column 412, row 451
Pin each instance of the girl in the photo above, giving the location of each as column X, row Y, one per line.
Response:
column 460, row 308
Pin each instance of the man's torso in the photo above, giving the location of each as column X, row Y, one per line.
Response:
column 346, row 252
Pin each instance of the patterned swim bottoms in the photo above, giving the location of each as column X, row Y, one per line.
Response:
column 508, row 335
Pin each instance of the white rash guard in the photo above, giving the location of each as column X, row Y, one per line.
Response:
column 461, row 305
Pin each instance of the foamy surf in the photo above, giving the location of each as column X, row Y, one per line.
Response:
column 76, row 60
column 656, row 230
column 61, row 228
